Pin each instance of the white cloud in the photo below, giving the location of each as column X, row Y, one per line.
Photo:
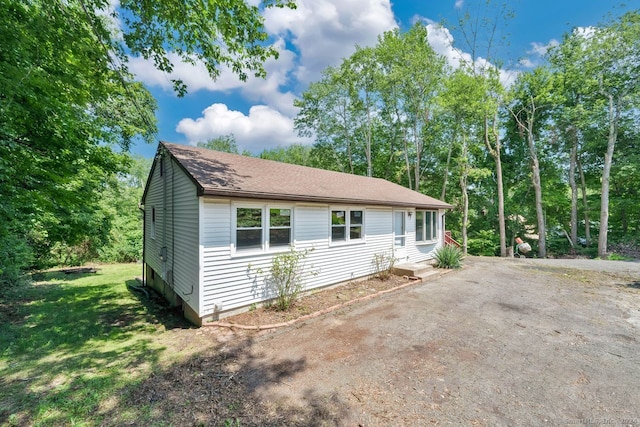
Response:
column 536, row 53
column 542, row 49
column 326, row 31
column 262, row 128
column 195, row 77
column 323, row 32
column 441, row 40
column 459, row 4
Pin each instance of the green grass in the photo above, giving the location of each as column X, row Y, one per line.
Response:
column 72, row 347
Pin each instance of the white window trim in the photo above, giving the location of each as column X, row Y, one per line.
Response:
column 405, row 236
column 348, row 240
column 265, row 247
column 436, row 215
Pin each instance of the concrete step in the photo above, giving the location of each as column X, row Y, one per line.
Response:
column 414, row 269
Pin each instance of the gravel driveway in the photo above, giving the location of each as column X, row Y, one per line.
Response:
column 499, row 342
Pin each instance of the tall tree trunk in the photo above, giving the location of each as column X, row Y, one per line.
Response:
column 416, row 167
column 465, row 194
column 574, row 189
column 406, row 159
column 495, row 153
column 537, row 189
column 443, row 193
column 614, row 117
column 347, row 140
column 585, row 202
column 368, row 138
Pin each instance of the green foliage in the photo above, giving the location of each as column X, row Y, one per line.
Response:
column 70, row 109
column 214, row 33
column 297, row 154
column 617, row 257
column 15, row 256
column 483, row 242
column 448, row 257
column 286, row 277
column 224, row 143
column 382, row 265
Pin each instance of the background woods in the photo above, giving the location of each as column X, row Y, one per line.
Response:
column 550, row 155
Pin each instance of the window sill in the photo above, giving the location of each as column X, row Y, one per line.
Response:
column 347, row 243
column 428, row 242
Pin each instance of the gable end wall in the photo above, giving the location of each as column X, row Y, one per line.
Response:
column 174, row 197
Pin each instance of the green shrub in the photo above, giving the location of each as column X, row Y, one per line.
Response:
column 382, row 265
column 16, row 257
column 484, row 243
column 448, row 257
column 286, row 280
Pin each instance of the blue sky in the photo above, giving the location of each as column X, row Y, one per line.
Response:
column 320, row 33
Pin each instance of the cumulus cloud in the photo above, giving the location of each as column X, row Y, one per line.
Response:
column 536, row 53
column 315, row 35
column 326, row 31
column 442, row 41
column 541, row 49
column 262, row 128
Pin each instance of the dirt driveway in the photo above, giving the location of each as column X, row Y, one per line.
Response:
column 500, row 342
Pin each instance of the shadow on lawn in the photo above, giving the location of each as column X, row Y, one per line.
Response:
column 65, row 345
column 225, row 386
column 92, row 353
column 158, row 310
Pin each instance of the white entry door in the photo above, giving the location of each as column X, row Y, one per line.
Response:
column 399, row 235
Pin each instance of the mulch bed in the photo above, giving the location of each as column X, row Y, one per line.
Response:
column 317, row 300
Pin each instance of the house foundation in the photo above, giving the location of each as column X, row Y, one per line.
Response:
column 155, row 282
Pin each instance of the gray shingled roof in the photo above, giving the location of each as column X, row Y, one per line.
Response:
column 230, row 175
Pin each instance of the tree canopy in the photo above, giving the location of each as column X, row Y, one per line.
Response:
column 70, row 109
column 513, row 160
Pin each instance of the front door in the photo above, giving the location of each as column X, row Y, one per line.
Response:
column 399, row 235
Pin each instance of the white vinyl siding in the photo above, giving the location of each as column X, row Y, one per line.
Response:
column 185, row 237
column 231, row 281
column 172, row 239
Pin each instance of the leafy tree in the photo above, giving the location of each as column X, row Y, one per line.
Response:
column 480, row 26
column 225, row 143
column 614, row 60
column 69, row 108
column 532, row 100
column 413, row 78
column 297, row 154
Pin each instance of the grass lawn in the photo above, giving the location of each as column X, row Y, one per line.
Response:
column 74, row 347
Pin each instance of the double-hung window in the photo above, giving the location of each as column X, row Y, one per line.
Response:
column 249, row 229
column 347, row 225
column 279, row 227
column 426, row 226
column 262, row 227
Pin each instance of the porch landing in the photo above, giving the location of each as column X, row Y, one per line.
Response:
column 421, row 270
